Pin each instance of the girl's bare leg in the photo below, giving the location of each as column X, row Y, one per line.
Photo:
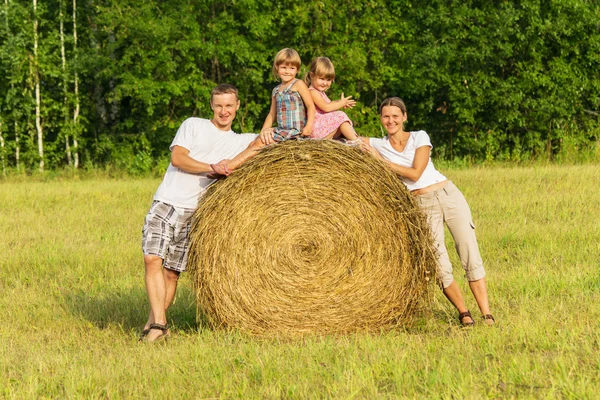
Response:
column 347, row 131
column 344, row 130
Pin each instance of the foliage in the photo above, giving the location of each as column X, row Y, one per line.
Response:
column 488, row 80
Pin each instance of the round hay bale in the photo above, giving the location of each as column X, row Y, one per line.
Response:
column 310, row 237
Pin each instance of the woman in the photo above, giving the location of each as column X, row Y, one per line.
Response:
column 408, row 155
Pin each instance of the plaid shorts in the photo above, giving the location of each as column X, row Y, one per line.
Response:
column 166, row 234
column 281, row 135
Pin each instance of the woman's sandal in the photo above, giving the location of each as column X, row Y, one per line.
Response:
column 144, row 334
column 163, row 336
column 488, row 319
column 463, row 315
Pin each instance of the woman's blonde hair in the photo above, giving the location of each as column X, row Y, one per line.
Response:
column 320, row 67
column 283, row 56
column 393, row 101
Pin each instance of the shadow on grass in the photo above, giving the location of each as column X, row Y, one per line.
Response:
column 129, row 310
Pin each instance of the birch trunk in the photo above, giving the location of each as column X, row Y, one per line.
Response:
column 17, row 148
column 76, row 110
column 65, row 89
column 2, row 151
column 36, row 76
column 12, row 87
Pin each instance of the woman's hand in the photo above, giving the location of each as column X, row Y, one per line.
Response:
column 367, row 148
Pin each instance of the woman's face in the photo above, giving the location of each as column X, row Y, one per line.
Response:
column 392, row 119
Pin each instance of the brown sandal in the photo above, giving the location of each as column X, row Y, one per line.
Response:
column 144, row 334
column 488, row 317
column 162, row 337
column 463, row 315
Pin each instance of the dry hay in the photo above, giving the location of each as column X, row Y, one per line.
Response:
column 310, row 237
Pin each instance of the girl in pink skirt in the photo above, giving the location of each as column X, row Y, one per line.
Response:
column 330, row 123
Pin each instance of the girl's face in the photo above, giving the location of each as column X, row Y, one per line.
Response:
column 392, row 119
column 287, row 72
column 321, row 83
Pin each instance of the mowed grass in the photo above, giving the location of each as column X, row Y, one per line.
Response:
column 73, row 300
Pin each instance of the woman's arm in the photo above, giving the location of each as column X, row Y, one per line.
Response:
column 419, row 164
column 344, row 102
column 180, row 159
column 309, row 104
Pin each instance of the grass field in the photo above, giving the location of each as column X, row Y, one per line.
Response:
column 73, row 300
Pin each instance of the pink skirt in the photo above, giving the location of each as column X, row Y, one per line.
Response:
column 327, row 123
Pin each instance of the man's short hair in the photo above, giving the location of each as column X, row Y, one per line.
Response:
column 224, row 88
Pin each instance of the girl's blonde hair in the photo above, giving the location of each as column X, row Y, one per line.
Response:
column 393, row 101
column 283, row 56
column 320, row 67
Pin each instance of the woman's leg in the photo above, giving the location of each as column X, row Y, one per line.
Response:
column 460, row 223
column 479, row 290
column 430, row 204
column 455, row 296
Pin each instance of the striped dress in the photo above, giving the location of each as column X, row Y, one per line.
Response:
column 291, row 115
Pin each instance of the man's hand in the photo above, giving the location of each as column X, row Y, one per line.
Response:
column 266, row 136
column 220, row 169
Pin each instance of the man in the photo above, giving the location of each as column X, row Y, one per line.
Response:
column 197, row 145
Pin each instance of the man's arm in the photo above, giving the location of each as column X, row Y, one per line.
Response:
column 180, row 159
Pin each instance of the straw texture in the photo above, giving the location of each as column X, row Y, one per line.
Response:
column 310, row 237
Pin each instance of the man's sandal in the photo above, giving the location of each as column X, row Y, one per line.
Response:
column 162, row 337
column 488, row 319
column 463, row 315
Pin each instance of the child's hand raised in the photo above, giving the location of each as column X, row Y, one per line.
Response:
column 347, row 101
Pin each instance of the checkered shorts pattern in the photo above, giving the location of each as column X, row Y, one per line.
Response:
column 166, row 234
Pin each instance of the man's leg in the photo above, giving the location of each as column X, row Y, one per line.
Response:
column 157, row 293
column 155, row 286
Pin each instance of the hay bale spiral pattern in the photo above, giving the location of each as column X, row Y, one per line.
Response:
column 310, row 237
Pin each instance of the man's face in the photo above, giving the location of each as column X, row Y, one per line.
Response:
column 224, row 107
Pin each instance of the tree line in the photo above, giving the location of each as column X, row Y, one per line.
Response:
column 94, row 83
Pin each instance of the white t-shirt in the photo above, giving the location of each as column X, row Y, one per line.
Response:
column 207, row 144
column 405, row 158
